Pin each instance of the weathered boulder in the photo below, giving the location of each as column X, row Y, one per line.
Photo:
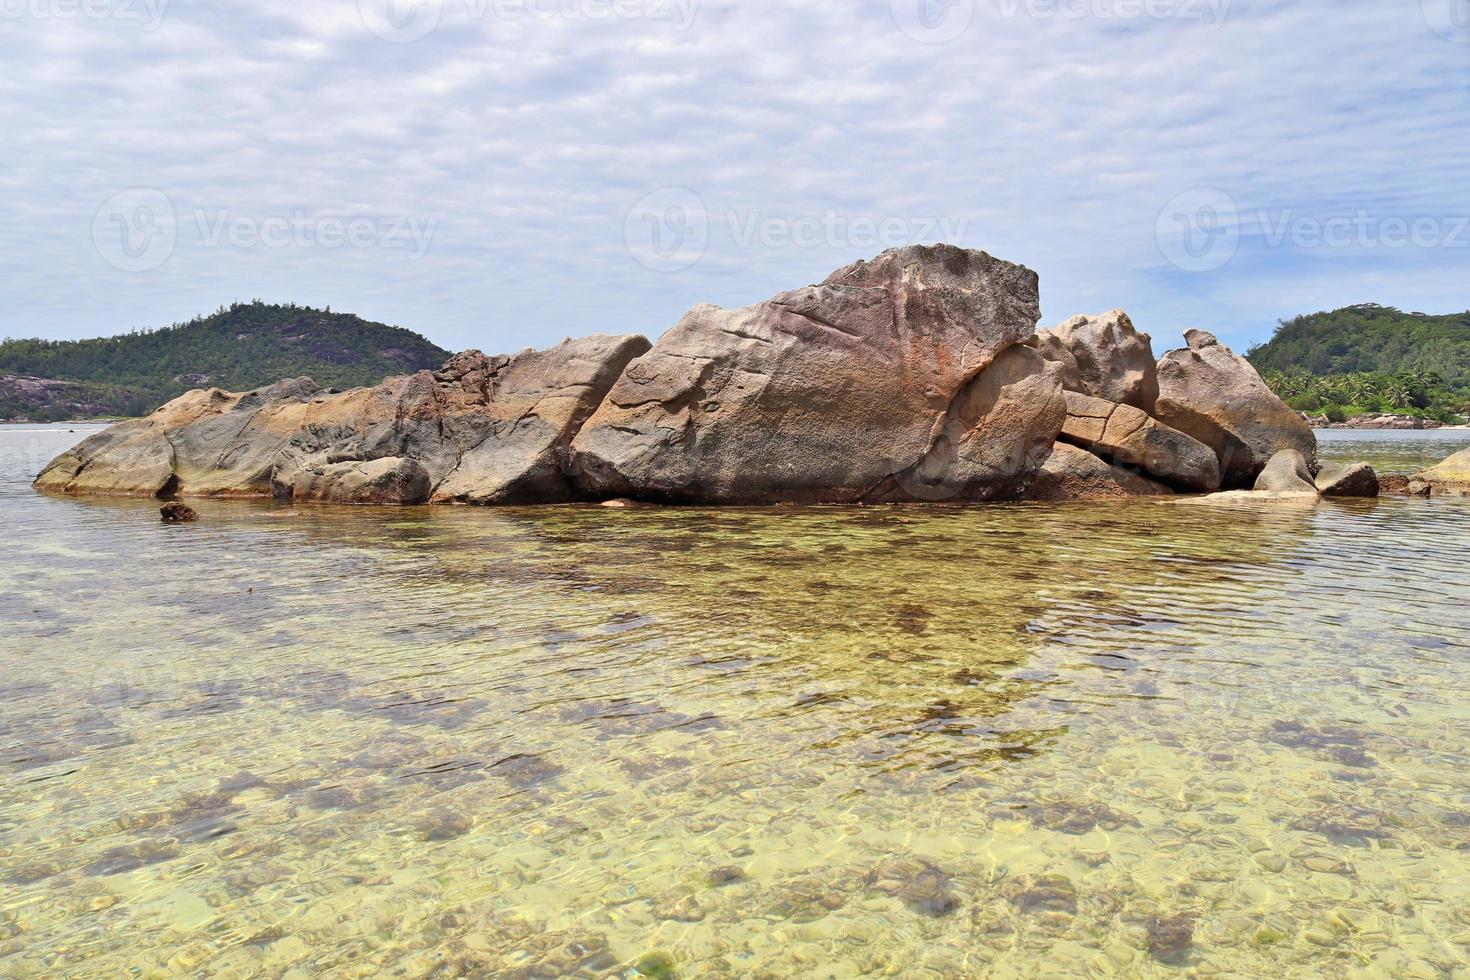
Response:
column 1208, row 392
column 871, row 385
column 485, row 430
column 205, row 435
column 1071, row 473
column 1347, row 480
column 482, row 430
column 1287, row 472
column 1129, row 438
column 1105, row 357
column 1451, row 477
column 390, row 480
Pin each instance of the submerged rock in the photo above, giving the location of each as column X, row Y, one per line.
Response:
column 922, row 886
column 1170, row 937
column 1208, row 392
column 174, row 512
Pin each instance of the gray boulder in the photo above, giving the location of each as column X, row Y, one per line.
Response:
column 871, row 385
column 1131, row 439
column 1287, row 472
column 1347, row 480
column 1208, row 392
column 1105, row 357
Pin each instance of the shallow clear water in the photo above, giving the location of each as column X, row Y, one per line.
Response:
column 1132, row 739
column 1392, row 451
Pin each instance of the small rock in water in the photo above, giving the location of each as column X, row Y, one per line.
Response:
column 174, row 512
column 1170, row 937
column 726, row 876
column 922, row 886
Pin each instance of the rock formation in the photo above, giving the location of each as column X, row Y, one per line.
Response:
column 1287, row 472
column 914, row 377
column 1129, row 438
column 1347, row 480
column 1452, row 477
column 884, row 382
column 488, row 430
column 1105, row 357
column 1071, row 473
column 1208, row 392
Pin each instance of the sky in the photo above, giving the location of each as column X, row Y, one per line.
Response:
column 501, row 174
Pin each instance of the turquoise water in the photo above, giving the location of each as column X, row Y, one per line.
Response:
column 1120, row 739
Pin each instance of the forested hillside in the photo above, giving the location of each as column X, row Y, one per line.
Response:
column 1369, row 358
column 241, row 347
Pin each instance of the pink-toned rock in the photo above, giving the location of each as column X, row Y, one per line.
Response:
column 1072, row 473
column 1129, row 438
column 871, row 385
column 1208, row 392
column 1105, row 357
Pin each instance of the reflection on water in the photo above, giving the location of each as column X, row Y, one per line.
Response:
column 1121, row 739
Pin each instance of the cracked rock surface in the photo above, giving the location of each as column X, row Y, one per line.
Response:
column 866, row 386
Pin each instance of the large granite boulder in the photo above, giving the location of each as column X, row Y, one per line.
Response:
column 872, row 385
column 1452, row 477
column 1105, row 357
column 1347, row 480
column 1287, row 472
column 1071, row 473
column 1131, row 439
column 482, row 429
column 1208, row 392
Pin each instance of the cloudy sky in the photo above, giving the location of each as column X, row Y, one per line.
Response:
column 505, row 173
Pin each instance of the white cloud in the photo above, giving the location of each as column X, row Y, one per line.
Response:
column 524, row 140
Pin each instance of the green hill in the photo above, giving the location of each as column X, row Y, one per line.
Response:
column 1369, row 358
column 238, row 348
